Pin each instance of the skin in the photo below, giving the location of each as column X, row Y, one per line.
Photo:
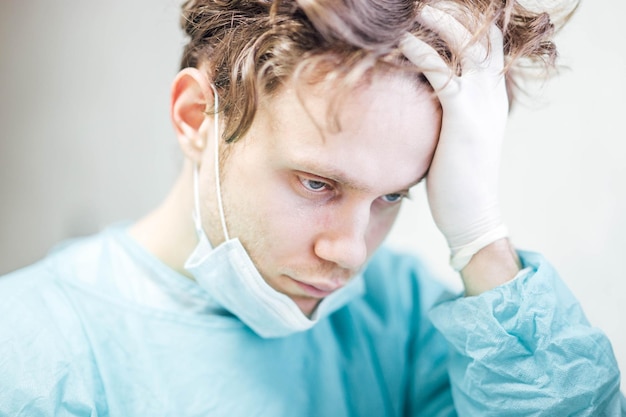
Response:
column 309, row 202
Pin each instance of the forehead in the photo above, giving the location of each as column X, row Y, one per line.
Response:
column 337, row 107
column 386, row 127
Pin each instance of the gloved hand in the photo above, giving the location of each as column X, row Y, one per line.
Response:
column 462, row 183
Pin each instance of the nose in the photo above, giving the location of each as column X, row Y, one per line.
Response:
column 343, row 242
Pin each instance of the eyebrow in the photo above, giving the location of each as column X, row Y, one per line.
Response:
column 341, row 177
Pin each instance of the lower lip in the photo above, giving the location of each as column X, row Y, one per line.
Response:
column 312, row 291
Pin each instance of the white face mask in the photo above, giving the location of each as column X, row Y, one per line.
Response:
column 230, row 277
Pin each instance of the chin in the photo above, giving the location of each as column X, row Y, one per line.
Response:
column 307, row 305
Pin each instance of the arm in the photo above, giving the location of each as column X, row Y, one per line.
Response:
column 462, row 183
column 518, row 346
column 493, row 265
column 525, row 348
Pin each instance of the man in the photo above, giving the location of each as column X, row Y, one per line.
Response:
column 258, row 286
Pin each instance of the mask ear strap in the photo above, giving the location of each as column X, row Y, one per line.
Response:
column 197, row 221
column 218, row 139
column 196, row 193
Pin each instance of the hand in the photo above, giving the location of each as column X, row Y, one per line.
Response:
column 462, row 183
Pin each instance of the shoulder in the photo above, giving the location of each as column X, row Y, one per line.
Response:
column 30, row 297
column 42, row 291
column 39, row 301
column 47, row 358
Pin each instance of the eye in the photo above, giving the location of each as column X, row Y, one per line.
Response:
column 393, row 198
column 314, row 185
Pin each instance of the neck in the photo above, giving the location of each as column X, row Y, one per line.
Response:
column 168, row 232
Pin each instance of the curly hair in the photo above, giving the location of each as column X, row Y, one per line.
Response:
column 251, row 47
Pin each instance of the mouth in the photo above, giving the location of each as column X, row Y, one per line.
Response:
column 317, row 291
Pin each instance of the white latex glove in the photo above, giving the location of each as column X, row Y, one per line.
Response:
column 462, row 183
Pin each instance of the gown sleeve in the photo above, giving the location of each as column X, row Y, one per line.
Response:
column 526, row 349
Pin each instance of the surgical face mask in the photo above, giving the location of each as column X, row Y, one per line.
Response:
column 230, row 277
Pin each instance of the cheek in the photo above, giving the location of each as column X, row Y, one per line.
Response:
column 380, row 225
column 275, row 224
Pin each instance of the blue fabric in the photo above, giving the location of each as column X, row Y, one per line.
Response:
column 101, row 328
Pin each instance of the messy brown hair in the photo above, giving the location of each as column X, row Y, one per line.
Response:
column 252, row 47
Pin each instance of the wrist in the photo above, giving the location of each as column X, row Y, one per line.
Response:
column 493, row 265
column 462, row 255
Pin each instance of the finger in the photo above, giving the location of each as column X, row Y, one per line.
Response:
column 450, row 29
column 426, row 58
column 496, row 42
column 459, row 39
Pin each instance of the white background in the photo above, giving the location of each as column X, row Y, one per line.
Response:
column 85, row 141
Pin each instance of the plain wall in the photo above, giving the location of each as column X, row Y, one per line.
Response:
column 85, row 140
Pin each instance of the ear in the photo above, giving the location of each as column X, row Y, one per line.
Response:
column 191, row 98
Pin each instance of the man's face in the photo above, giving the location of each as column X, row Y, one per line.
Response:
column 311, row 203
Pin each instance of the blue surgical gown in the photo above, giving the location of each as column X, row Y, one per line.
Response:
column 102, row 328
